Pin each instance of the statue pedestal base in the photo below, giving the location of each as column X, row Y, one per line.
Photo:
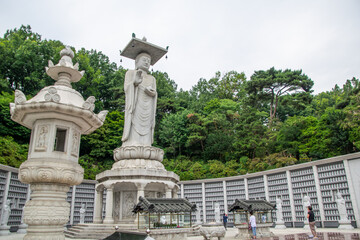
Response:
column 345, row 224
column 22, row 228
column 212, row 230
column 262, row 230
column 280, row 225
column 4, row 230
column 306, row 225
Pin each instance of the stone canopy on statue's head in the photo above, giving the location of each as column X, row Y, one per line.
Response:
column 137, row 46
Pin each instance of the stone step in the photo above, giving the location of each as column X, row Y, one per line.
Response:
column 96, row 231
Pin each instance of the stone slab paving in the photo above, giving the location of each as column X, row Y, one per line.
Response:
column 17, row 236
column 299, row 234
column 281, row 234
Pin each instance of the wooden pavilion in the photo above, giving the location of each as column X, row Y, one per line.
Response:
column 162, row 213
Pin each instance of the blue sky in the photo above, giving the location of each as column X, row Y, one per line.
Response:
column 320, row 37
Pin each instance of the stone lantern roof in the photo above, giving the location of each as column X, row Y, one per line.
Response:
column 59, row 101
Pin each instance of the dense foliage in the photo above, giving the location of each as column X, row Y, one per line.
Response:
column 224, row 126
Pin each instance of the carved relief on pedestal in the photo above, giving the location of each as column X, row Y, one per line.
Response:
column 42, row 138
column 138, row 152
column 44, row 212
column 148, row 194
column 128, row 204
column 75, row 143
column 41, row 211
column 138, row 163
column 36, row 171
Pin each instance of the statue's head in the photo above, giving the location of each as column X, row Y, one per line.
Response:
column 143, row 61
column 339, row 195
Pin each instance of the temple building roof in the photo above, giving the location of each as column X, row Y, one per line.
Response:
column 254, row 205
column 164, row 205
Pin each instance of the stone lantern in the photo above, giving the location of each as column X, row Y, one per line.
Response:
column 57, row 116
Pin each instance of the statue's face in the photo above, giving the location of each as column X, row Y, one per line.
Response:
column 143, row 62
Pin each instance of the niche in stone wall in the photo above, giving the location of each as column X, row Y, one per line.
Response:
column 60, row 140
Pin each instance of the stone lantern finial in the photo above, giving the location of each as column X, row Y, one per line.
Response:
column 64, row 73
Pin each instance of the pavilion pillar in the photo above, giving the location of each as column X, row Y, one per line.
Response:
column 109, row 206
column 140, row 190
column 175, row 193
column 98, row 205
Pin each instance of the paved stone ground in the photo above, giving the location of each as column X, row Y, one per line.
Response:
column 300, row 234
column 281, row 234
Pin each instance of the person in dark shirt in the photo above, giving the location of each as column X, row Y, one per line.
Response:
column 225, row 220
column 311, row 218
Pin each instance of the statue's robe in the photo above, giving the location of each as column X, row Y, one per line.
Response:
column 140, row 109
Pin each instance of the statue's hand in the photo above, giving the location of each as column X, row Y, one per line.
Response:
column 150, row 91
column 138, row 78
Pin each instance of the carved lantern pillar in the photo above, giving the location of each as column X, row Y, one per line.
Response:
column 57, row 115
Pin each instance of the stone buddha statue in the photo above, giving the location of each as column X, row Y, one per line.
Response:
column 140, row 104
column 140, row 93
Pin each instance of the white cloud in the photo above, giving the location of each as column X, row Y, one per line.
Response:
column 321, row 37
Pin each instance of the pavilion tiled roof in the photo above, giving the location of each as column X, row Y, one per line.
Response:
column 254, row 205
column 164, row 205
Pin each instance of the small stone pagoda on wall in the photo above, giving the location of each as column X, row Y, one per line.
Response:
column 137, row 171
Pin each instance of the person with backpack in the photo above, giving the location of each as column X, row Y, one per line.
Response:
column 311, row 218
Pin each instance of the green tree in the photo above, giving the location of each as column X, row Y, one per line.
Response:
column 7, row 126
column 11, row 153
column 23, row 56
column 198, row 133
column 99, row 74
column 267, row 87
column 173, row 132
column 96, row 149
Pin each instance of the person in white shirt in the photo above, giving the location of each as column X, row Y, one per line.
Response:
column 252, row 223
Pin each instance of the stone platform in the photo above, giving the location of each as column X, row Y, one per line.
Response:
column 280, row 234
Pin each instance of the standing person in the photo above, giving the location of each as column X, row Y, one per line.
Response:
column 252, row 223
column 311, row 218
column 225, row 220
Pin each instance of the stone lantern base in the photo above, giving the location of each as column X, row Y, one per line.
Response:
column 48, row 211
